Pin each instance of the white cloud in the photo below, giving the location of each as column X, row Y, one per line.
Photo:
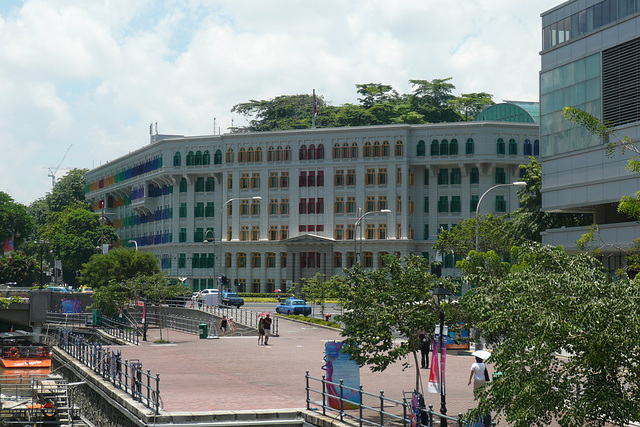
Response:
column 95, row 74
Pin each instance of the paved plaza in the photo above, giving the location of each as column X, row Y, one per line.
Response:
column 235, row 373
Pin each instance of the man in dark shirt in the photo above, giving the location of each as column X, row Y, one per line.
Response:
column 267, row 329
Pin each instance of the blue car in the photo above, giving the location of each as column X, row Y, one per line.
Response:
column 293, row 306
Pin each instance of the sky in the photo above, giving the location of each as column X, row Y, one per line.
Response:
column 81, row 81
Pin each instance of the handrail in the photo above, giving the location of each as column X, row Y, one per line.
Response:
column 381, row 411
column 126, row 375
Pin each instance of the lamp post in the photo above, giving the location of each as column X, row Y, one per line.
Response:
column 440, row 292
column 212, row 240
column 102, row 220
column 355, row 228
column 224, row 205
column 41, row 243
column 515, row 184
column 135, row 243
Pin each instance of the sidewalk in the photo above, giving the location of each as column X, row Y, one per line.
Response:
column 234, row 373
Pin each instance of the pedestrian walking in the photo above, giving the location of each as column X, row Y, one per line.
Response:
column 224, row 325
column 199, row 298
column 425, row 348
column 260, row 331
column 232, row 326
column 267, row 328
column 479, row 374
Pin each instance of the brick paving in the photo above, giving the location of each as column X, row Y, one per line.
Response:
column 234, row 373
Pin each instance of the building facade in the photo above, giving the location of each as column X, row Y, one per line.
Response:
column 280, row 206
column 590, row 56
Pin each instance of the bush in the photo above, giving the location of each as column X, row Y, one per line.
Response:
column 312, row 320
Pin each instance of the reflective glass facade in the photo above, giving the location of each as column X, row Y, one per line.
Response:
column 576, row 84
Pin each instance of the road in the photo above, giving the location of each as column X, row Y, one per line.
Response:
column 316, row 310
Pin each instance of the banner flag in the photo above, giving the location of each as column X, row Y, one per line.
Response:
column 434, row 377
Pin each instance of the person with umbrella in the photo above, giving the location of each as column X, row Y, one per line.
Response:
column 261, row 327
column 266, row 322
column 479, row 373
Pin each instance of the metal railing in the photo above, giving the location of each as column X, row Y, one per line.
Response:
column 243, row 317
column 370, row 409
column 127, row 375
column 69, row 319
column 126, row 331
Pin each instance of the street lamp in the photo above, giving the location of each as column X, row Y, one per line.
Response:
column 515, row 184
column 103, row 220
column 440, row 292
column 355, row 228
column 41, row 243
column 224, row 205
column 135, row 243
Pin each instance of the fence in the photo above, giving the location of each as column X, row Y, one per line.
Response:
column 371, row 409
column 127, row 331
column 126, row 375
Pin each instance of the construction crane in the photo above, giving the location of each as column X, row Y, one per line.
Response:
column 52, row 173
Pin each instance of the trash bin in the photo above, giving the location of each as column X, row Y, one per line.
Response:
column 204, row 331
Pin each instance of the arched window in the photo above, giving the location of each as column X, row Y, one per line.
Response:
column 399, row 148
column 354, row 150
column 500, row 146
column 435, row 147
column 271, row 154
column 528, row 148
column 376, row 149
column 302, row 153
column 366, row 150
column 468, row 148
column 420, row 149
column 320, row 152
column 536, row 148
column 229, row 156
column 279, row 154
column 336, row 151
column 385, row 148
column 242, row 260
column 258, row 154
column 198, row 158
column 177, row 159
column 242, row 155
column 453, row 147
column 183, row 185
column 287, row 153
column 311, row 152
column 190, row 158
column 250, row 155
column 444, row 147
column 206, row 158
column 217, row 157
column 345, row 150
column 110, row 202
column 513, row 147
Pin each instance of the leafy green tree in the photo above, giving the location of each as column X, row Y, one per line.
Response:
column 375, row 93
column 68, row 191
column 14, row 219
column 496, row 232
column 281, row 113
column 432, row 100
column 565, row 339
column 118, row 265
column 317, row 290
column 19, row 268
column 529, row 221
column 73, row 235
column 469, row 105
column 382, row 304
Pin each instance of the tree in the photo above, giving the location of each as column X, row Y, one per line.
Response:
column 68, row 191
column 380, row 305
column 470, row 105
column 73, row 235
column 317, row 290
column 375, row 93
column 19, row 268
column 565, row 339
column 14, row 219
column 281, row 113
column 529, row 220
column 118, row 265
column 496, row 232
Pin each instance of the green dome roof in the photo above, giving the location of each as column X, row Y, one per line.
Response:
column 511, row 111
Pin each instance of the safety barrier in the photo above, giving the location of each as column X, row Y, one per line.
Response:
column 370, row 409
column 127, row 375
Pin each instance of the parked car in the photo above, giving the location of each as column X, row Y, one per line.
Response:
column 56, row 289
column 231, row 298
column 293, row 306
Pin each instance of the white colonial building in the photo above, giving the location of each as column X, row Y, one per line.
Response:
column 280, row 206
